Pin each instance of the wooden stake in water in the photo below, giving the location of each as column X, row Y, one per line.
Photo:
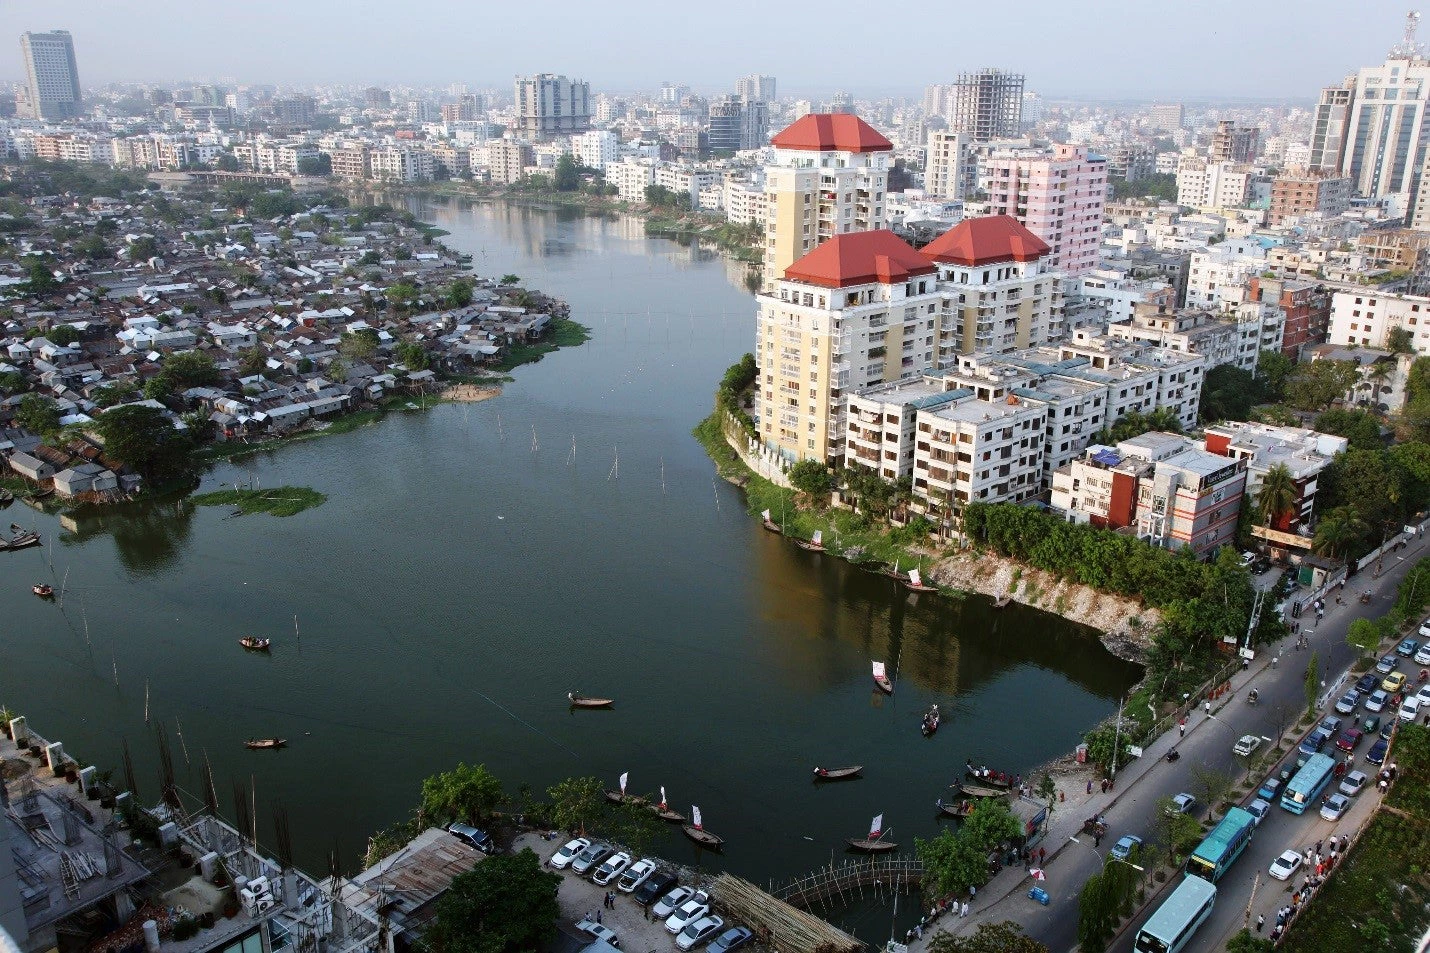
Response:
column 662, row 476
column 146, row 701
column 571, row 457
column 114, row 664
column 534, row 445
column 63, row 585
column 615, row 473
column 180, row 730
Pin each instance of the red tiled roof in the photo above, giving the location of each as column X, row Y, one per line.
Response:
column 859, row 258
column 985, row 241
column 831, row 132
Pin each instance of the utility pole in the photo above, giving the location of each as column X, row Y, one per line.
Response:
column 1117, row 738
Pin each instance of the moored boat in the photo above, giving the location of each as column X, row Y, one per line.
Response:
column 770, row 524
column 41, row 494
column 931, row 720
column 874, row 843
column 6, row 497
column 837, row 774
column 987, row 776
column 259, row 743
column 978, row 790
column 699, row 834
column 881, row 679
column 814, row 544
column 663, row 811
column 43, row 590
column 581, row 701
column 621, row 797
column 255, row 644
column 958, row 809
column 916, row 584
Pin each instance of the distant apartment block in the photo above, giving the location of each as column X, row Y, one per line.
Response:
column 597, row 148
column 1232, row 339
column 1205, row 184
column 756, row 88
column 548, row 105
column 1166, row 117
column 987, row 104
column 508, row 160
column 1300, row 192
column 949, row 167
column 1057, row 193
column 1233, row 143
column 51, row 76
column 737, row 124
column 1365, row 318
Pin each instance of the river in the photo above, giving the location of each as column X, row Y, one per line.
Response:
column 475, row 562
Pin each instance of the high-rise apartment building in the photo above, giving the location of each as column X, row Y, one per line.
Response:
column 949, row 165
column 51, row 75
column 987, row 105
column 829, row 177
column 1204, row 184
column 1373, row 128
column 1058, row 193
column 737, row 123
column 377, row 98
column 1233, row 143
column 548, row 105
column 755, row 87
column 1166, row 117
column 466, row 109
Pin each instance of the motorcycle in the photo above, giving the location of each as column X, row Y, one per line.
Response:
column 1251, row 697
column 1173, row 755
column 1365, row 598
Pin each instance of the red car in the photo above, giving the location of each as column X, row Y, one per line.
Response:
column 1349, row 739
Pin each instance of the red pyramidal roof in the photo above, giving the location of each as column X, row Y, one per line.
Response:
column 859, row 258
column 986, row 241
column 831, row 132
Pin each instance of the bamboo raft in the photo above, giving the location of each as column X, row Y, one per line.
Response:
column 783, row 928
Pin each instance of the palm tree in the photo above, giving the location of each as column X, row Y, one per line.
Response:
column 1277, row 493
column 1337, row 530
column 1379, row 372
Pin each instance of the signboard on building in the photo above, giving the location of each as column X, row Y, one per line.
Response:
column 1279, row 538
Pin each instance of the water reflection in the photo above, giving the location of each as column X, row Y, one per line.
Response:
column 149, row 537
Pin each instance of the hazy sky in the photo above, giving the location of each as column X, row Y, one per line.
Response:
column 1103, row 48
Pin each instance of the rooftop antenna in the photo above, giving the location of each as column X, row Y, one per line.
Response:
column 1409, row 47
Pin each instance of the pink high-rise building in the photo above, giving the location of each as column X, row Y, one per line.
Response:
column 1057, row 193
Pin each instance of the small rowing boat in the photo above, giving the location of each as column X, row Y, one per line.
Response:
column 261, row 743
column 958, row 809
column 814, row 544
column 255, row 644
column 874, row 843
column 621, row 797
column 915, row 583
column 978, row 790
column 930, row 722
column 770, row 524
column 699, row 834
column 581, row 701
column 44, row 591
column 663, row 811
column 838, row 774
column 881, row 679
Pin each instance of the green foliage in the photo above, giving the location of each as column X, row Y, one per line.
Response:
column 1364, row 635
column 1400, row 341
column 662, row 197
column 1277, row 493
column 568, row 174
column 320, row 164
column 413, row 356
column 1272, row 369
column 1361, row 428
column 1339, row 531
column 576, row 802
column 510, row 279
column 738, row 378
column 1134, row 424
column 369, row 258
column 276, row 501
column 1211, row 786
column 1158, row 185
column 359, row 345
column 951, row 863
column 458, row 294
column 13, row 382
column 1315, row 385
column 1415, row 418
column 506, row 904
column 401, row 295
column 39, row 281
column 143, row 248
column 1228, row 393
column 92, row 247
column 810, row 477
column 1312, row 684
column 1247, row 942
column 38, row 414
column 1176, row 832
column 145, row 440
column 251, row 362
column 1413, row 593
column 274, row 204
column 468, row 794
column 1005, row 937
column 190, row 369
column 62, row 334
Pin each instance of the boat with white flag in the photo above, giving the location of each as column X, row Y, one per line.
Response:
column 881, row 679
column 770, row 524
column 875, row 842
column 916, row 583
column 696, row 832
column 814, row 544
column 664, row 812
column 621, row 797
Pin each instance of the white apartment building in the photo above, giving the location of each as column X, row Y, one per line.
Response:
column 394, row 164
column 1365, row 318
column 1215, row 279
column 744, row 203
column 1305, row 453
column 1118, row 294
column 631, row 177
column 687, row 180
column 860, row 309
column 1057, row 193
column 828, row 178
column 597, row 148
column 999, row 292
column 1231, row 339
column 880, row 427
column 949, row 165
column 972, row 450
column 1204, row 184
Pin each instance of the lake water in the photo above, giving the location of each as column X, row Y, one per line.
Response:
column 474, row 563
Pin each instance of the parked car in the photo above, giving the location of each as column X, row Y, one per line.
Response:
column 1270, row 788
column 1260, row 565
column 733, row 939
column 1349, row 739
column 1348, row 702
column 1394, row 682
column 1387, row 664
column 1376, row 754
column 1371, row 724
column 1123, row 848
column 1330, row 725
column 659, row 884
column 1407, row 647
column 1283, row 867
column 1314, row 742
column 1367, row 683
column 568, row 851
column 1182, row 804
column 1425, row 629
column 671, row 902
column 1388, row 729
column 1247, row 558
column 591, row 857
column 614, row 866
column 1422, row 655
column 470, row 835
column 688, row 912
column 1334, row 806
column 600, row 932
column 1352, row 783
column 1409, row 709
column 1246, row 744
column 1378, row 700
column 1258, row 809
column 1423, row 694
column 698, row 932
column 635, row 875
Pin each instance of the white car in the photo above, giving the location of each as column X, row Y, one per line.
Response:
column 1352, row 783
column 671, row 902
column 1246, row 744
column 563, row 857
column 688, row 912
column 1423, row 694
column 614, row 866
column 1283, row 867
column 1424, row 633
column 1409, row 709
column 635, row 875
column 1258, row 809
column 1334, row 806
column 1422, row 654
column 699, row 931
column 599, row 931
column 1182, row 804
column 1377, row 701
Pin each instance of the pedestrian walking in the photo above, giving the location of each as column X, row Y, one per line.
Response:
column 1089, row 785
column 1206, row 704
column 963, row 910
column 1260, row 922
column 1318, row 848
column 973, row 888
column 919, row 932
column 598, row 916
column 1182, row 727
column 1274, row 660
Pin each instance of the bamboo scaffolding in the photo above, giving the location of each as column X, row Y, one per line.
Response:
column 783, row 928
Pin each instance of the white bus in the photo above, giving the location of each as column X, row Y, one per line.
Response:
column 1169, row 929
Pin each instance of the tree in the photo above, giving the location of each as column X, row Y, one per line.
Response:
column 1005, row 937
column 662, row 197
column 117, row 393
column 637, row 826
column 468, row 794
column 952, row 863
column 1277, row 493
column 1212, row 785
column 568, row 174
column 1098, row 907
column 503, row 905
column 92, row 247
column 226, row 162
column 1272, row 369
column 1357, row 426
column 1400, row 341
column 13, row 382
column 143, row 248
column 358, row 345
column 190, row 369
column 1312, row 684
column 810, row 477
column 1228, row 393
column 1174, row 830
column 320, row 164
column 1364, row 635
column 1245, row 942
column 39, row 280
column 251, row 362
column 63, row 334
column 576, row 802
column 38, row 414
column 1337, row 531
column 510, row 279
column 458, row 294
column 1316, row 385
column 401, row 295
column 990, row 825
column 413, row 356
column 144, row 439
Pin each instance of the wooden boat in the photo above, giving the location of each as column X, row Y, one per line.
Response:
column 958, row 809
column 893, row 572
column 255, row 644
column 581, row 701
column 621, row 797
column 838, row 774
column 1002, row 601
column 20, row 541
column 770, row 524
column 260, row 743
column 814, row 544
column 874, row 843
column 978, row 790
column 699, row 834
column 993, row 779
column 915, row 583
column 930, row 722
column 881, row 679
column 663, row 811
column 44, row 591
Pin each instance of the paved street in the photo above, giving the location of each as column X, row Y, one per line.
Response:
column 1208, row 743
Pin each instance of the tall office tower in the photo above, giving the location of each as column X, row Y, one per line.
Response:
column 466, row 109
column 52, row 77
column 754, row 124
column 737, row 123
column 671, row 94
column 377, row 97
column 987, row 105
column 1057, row 193
column 829, row 177
column 948, row 169
column 1032, row 108
column 1372, row 128
column 549, row 105
column 1167, row 117
column 1233, row 143
column 938, row 100
column 755, row 87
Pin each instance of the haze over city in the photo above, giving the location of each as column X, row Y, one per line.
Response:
column 1110, row 49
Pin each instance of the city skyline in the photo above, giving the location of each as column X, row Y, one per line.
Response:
column 1266, row 57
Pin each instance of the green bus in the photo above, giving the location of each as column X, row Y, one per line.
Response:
column 1223, row 845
